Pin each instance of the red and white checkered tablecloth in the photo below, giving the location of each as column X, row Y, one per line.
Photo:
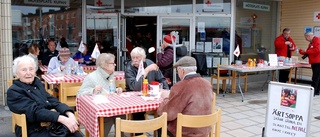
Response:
column 119, row 75
column 52, row 79
column 89, row 111
column 44, row 68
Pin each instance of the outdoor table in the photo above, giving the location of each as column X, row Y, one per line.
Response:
column 91, row 113
column 246, row 69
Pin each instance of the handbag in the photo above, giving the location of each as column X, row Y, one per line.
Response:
column 58, row 130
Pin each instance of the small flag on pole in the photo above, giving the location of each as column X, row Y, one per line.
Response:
column 58, row 46
column 95, row 54
column 81, row 47
column 140, row 70
column 237, row 51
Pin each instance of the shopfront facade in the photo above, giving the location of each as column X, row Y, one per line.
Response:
column 210, row 27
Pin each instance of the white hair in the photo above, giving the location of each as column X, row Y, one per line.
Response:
column 190, row 69
column 24, row 58
column 137, row 51
column 104, row 58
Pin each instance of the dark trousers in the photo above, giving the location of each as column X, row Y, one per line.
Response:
column 283, row 76
column 168, row 133
column 315, row 77
column 138, row 116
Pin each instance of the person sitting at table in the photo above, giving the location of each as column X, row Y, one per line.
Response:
column 97, row 82
column 51, row 52
column 191, row 96
column 150, row 72
column 61, row 62
column 83, row 57
column 28, row 96
column 34, row 52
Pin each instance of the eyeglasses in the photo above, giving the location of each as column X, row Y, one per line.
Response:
column 113, row 63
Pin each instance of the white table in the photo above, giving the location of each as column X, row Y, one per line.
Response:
column 246, row 69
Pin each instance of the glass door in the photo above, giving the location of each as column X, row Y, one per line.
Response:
column 103, row 29
column 182, row 25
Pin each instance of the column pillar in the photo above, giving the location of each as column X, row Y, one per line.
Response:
column 5, row 47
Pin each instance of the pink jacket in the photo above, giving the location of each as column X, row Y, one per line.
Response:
column 191, row 96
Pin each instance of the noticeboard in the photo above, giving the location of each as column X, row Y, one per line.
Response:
column 288, row 112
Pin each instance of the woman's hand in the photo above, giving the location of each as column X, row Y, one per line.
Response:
column 97, row 89
column 119, row 90
column 70, row 123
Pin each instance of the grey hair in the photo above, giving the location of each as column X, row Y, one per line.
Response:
column 308, row 33
column 189, row 69
column 104, row 58
column 138, row 51
column 24, row 58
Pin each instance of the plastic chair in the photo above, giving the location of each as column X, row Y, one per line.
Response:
column 197, row 121
column 20, row 120
column 132, row 126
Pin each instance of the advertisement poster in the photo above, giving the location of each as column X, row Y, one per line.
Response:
column 208, row 47
column 216, row 62
column 289, row 110
column 209, row 61
column 217, row 44
column 199, row 47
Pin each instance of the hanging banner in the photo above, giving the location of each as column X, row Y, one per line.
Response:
column 289, row 110
column 104, row 3
column 64, row 3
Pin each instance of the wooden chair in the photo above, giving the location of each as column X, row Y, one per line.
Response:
column 121, row 83
column 20, row 120
column 132, row 126
column 214, row 101
column 66, row 85
column 197, row 121
column 225, row 78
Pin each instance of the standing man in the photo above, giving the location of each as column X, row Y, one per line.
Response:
column 51, row 52
column 284, row 46
column 191, row 96
column 313, row 53
column 165, row 58
column 151, row 73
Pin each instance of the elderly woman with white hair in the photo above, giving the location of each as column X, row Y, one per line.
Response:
column 98, row 82
column 28, row 96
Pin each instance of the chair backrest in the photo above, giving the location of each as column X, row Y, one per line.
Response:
column 63, row 92
column 69, row 95
column 121, row 83
column 131, row 126
column 20, row 120
column 214, row 102
column 197, row 121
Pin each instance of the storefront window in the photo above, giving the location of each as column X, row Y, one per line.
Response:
column 158, row 6
column 213, row 6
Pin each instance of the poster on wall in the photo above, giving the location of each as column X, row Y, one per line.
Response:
column 289, row 110
column 209, row 61
column 308, row 29
column 217, row 44
column 216, row 62
column 316, row 31
column 199, row 47
column 208, row 47
column 316, row 16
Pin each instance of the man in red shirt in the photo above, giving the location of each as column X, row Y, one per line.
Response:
column 284, row 46
column 313, row 53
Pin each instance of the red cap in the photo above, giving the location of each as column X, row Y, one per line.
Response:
column 167, row 38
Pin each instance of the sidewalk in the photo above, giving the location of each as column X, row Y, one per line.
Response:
column 239, row 119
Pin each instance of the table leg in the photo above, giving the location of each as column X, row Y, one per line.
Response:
column 290, row 73
column 295, row 75
column 101, row 126
column 233, row 85
column 239, row 85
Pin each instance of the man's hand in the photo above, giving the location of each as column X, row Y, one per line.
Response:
column 302, row 52
column 164, row 93
column 151, row 68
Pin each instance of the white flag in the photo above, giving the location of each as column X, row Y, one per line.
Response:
column 58, row 46
column 237, row 51
column 95, row 54
column 81, row 47
column 140, row 70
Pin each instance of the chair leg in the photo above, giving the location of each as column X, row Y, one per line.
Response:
column 218, row 86
column 87, row 133
column 246, row 83
column 13, row 125
column 224, row 84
